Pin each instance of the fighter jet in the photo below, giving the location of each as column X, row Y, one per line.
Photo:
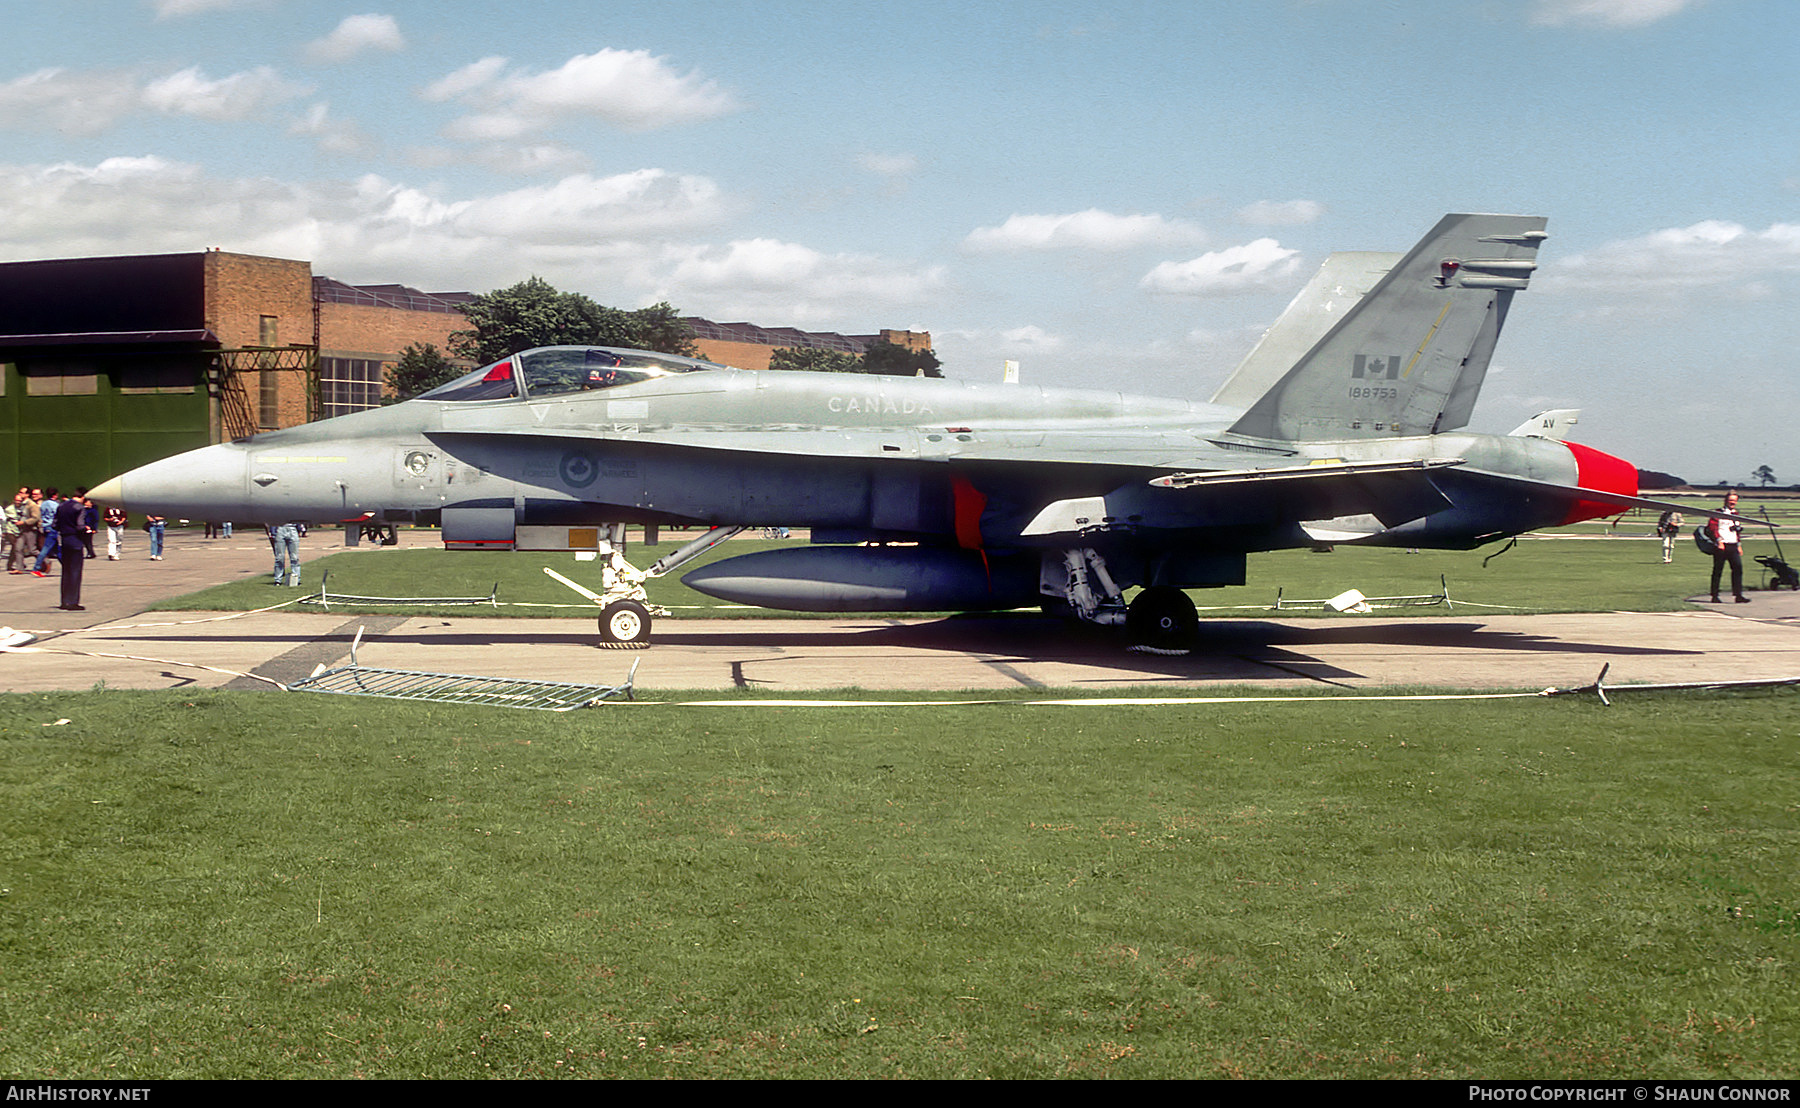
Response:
column 1343, row 426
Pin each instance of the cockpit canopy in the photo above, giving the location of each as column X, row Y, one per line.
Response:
column 549, row 370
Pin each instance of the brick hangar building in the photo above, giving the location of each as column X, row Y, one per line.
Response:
column 109, row 363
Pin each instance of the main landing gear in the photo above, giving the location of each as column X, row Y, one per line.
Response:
column 1160, row 619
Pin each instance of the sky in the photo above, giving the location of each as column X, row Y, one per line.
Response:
column 1116, row 195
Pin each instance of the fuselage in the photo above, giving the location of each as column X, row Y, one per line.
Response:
column 881, row 455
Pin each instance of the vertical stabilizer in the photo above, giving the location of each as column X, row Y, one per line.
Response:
column 1553, row 424
column 1342, row 282
column 1410, row 357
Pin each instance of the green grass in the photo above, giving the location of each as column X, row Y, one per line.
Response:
column 235, row 885
column 523, row 587
column 1552, row 574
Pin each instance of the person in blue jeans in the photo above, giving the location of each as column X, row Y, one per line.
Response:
column 284, row 540
column 52, row 542
column 154, row 525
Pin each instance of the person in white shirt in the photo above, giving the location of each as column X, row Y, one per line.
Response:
column 1728, row 535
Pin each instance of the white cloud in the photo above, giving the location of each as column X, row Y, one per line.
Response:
column 753, row 262
column 333, row 136
column 1258, row 266
column 981, row 354
column 1089, row 230
column 73, row 103
column 239, row 96
column 532, row 159
column 1033, row 339
column 127, row 205
column 357, row 34
column 89, row 103
column 1281, row 213
column 628, row 239
column 1225, row 345
column 631, row 89
column 1611, row 14
column 1711, row 253
column 616, row 237
column 175, row 9
column 93, row 102
column 769, row 279
column 1013, row 341
column 465, row 80
column 529, row 159
column 645, row 203
column 888, row 165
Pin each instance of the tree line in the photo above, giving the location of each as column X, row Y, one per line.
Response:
column 535, row 313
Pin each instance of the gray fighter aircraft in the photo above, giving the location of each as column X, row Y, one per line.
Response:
column 933, row 495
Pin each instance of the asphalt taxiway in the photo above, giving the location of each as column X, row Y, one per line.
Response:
column 117, row 642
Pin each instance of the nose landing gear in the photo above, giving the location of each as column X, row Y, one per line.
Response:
column 625, row 609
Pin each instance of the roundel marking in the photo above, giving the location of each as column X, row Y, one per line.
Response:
column 578, row 469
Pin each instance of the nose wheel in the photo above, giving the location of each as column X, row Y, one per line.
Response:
column 625, row 625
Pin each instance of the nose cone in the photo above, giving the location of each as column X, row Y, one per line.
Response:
column 1602, row 472
column 208, row 483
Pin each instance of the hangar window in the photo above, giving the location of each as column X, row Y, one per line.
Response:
column 145, row 376
column 56, row 378
column 349, row 385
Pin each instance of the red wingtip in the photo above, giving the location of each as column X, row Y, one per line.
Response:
column 1598, row 470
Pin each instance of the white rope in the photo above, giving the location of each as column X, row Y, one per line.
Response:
column 136, row 658
column 1080, row 702
column 181, row 622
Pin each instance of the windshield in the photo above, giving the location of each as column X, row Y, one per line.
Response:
column 553, row 369
column 490, row 382
column 549, row 370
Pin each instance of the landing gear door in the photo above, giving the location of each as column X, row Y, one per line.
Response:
column 479, row 528
column 902, row 495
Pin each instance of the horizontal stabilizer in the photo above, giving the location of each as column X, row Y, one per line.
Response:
column 1310, row 471
column 1389, row 493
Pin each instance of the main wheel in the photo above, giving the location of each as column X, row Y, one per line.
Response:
column 625, row 623
column 1162, row 618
